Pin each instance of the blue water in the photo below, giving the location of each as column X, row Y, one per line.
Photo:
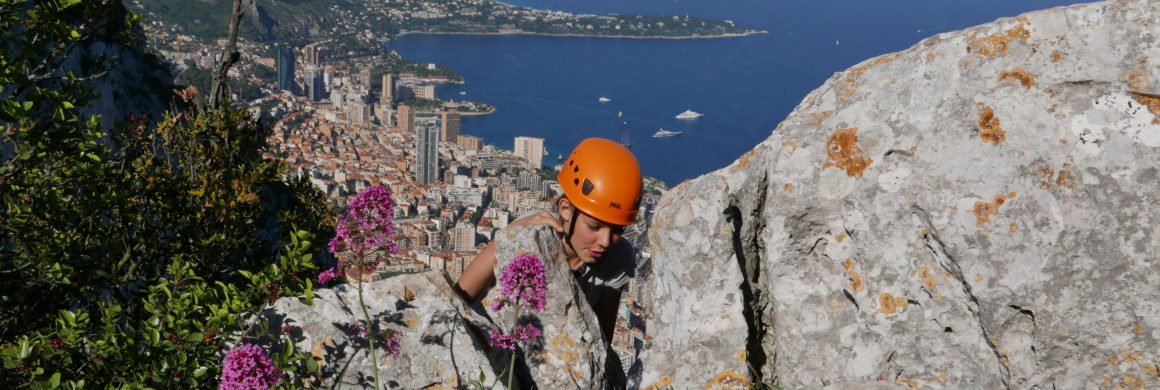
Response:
column 548, row 86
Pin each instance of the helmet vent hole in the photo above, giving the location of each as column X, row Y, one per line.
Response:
column 587, row 187
column 576, row 169
column 570, row 162
column 576, row 182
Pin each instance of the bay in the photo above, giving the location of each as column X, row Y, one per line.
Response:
column 548, row 86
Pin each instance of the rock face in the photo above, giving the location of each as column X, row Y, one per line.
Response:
column 977, row 211
column 572, row 353
column 443, row 341
column 446, row 343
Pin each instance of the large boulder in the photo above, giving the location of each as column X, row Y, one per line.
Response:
column 572, row 353
column 977, row 211
column 443, row 342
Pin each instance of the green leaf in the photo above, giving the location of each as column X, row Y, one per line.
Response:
column 55, row 380
column 200, row 371
column 27, row 105
column 25, row 348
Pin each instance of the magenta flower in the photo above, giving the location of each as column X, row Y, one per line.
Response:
column 523, row 283
column 247, row 368
column 391, row 340
column 500, row 340
column 326, row 276
column 368, row 223
column 358, row 328
column 526, row 333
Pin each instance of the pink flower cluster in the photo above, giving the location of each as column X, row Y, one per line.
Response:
column 366, row 227
column 523, row 284
column 358, row 328
column 247, row 368
column 525, row 333
column 391, row 340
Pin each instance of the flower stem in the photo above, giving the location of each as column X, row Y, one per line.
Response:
column 512, row 364
column 370, row 326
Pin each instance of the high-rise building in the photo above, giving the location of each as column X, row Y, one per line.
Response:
column 450, row 126
column 426, row 150
column 310, row 55
column 469, row 142
column 464, row 236
column 285, row 63
column 405, row 117
column 530, row 149
column 315, row 84
column 364, row 79
column 426, row 91
column 387, row 96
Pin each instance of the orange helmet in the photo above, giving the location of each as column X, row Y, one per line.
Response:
column 602, row 179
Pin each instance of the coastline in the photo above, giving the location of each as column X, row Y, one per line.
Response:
column 492, row 110
column 521, row 32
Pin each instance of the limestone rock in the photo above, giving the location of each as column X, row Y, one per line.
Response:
column 977, row 211
column 572, row 353
column 443, row 341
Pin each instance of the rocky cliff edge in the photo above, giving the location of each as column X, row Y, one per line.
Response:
column 977, row 211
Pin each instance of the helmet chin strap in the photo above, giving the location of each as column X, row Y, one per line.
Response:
column 572, row 228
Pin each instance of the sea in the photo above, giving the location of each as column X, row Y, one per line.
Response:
column 549, row 87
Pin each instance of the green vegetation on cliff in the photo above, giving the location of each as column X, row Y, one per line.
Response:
column 131, row 256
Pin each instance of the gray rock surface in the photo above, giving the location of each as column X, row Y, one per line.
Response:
column 443, row 342
column 572, row 353
column 977, row 211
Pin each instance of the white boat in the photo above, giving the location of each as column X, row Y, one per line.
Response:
column 662, row 133
column 603, row 99
column 689, row 114
column 462, row 92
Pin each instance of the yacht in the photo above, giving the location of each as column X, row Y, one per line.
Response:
column 689, row 114
column 662, row 133
column 603, row 99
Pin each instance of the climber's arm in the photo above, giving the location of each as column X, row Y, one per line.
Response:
column 478, row 276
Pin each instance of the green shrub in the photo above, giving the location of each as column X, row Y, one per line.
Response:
column 134, row 256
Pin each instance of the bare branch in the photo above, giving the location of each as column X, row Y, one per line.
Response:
column 220, row 90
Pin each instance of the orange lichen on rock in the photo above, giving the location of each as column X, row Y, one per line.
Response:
column 727, row 380
column 1018, row 75
column 1153, row 105
column 985, row 210
column 857, row 283
column 889, row 304
column 1150, row 370
column 818, row 117
column 1056, row 56
column 664, row 382
column 788, row 186
column 843, row 151
column 744, row 160
column 411, row 321
column 991, row 130
column 1138, row 81
column 1050, row 179
column 563, row 348
column 991, row 45
column 927, row 279
column 848, row 85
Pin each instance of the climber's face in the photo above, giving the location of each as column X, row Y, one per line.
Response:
column 591, row 236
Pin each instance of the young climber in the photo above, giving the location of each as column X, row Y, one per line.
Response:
column 602, row 189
